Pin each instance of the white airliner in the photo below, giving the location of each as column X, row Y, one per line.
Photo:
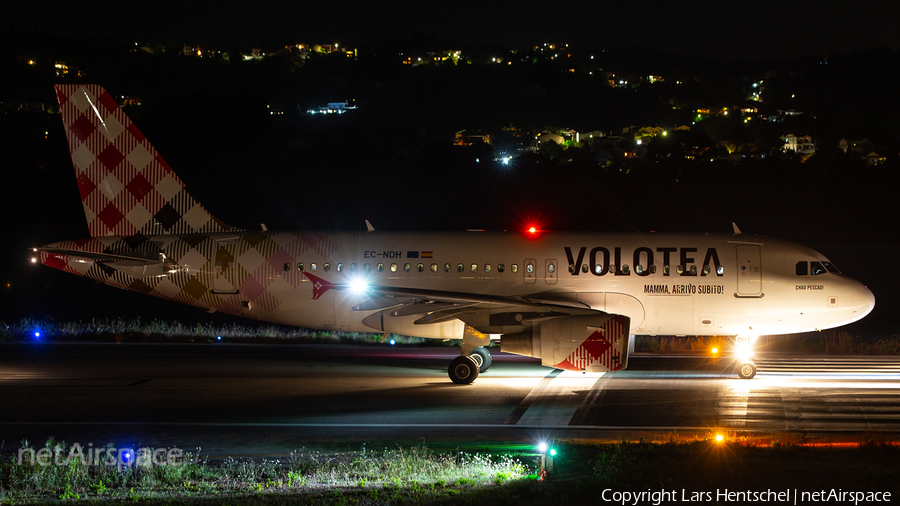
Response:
column 570, row 299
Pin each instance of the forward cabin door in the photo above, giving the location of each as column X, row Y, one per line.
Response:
column 749, row 271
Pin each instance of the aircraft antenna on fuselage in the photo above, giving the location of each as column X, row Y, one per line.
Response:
column 369, row 227
column 737, row 231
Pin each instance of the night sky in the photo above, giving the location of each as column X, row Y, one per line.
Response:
column 724, row 32
column 721, row 30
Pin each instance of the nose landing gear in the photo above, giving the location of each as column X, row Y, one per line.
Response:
column 746, row 370
column 743, row 348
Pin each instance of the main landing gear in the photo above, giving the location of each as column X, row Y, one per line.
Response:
column 465, row 368
column 474, row 357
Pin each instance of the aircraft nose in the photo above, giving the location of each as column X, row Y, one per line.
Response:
column 862, row 299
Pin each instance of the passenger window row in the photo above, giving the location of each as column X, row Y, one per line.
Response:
column 639, row 269
column 406, row 267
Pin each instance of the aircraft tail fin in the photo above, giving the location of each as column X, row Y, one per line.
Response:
column 126, row 186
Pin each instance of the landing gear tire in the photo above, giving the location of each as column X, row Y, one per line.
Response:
column 482, row 358
column 463, row 370
column 746, row 370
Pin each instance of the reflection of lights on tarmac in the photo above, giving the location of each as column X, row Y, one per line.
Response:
column 585, row 375
column 742, row 386
column 834, row 382
column 519, row 382
column 811, row 382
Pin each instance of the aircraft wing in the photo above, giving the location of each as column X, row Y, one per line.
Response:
column 487, row 313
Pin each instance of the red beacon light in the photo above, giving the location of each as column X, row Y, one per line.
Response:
column 532, row 230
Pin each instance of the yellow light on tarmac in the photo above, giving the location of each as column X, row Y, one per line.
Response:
column 719, row 438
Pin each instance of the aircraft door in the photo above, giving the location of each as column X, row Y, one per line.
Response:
column 223, row 271
column 749, row 271
column 551, row 272
column 530, row 271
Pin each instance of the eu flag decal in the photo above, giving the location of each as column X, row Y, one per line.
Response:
column 412, row 254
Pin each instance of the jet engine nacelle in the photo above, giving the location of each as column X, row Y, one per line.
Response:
column 384, row 321
column 588, row 343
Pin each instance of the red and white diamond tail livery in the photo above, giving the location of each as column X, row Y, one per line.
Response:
column 126, row 187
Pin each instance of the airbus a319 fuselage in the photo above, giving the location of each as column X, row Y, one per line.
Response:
column 570, row 299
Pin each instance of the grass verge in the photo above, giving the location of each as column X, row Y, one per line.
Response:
column 369, row 477
column 581, row 471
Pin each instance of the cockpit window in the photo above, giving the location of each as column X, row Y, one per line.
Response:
column 802, row 268
column 831, row 268
column 816, row 268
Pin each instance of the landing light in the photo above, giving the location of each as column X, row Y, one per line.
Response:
column 505, row 160
column 715, row 351
column 743, row 347
column 358, row 286
column 719, row 438
column 542, row 447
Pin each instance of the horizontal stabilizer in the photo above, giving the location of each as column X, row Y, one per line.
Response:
column 106, row 258
column 136, row 264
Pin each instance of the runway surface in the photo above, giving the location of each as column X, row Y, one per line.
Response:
column 232, row 399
